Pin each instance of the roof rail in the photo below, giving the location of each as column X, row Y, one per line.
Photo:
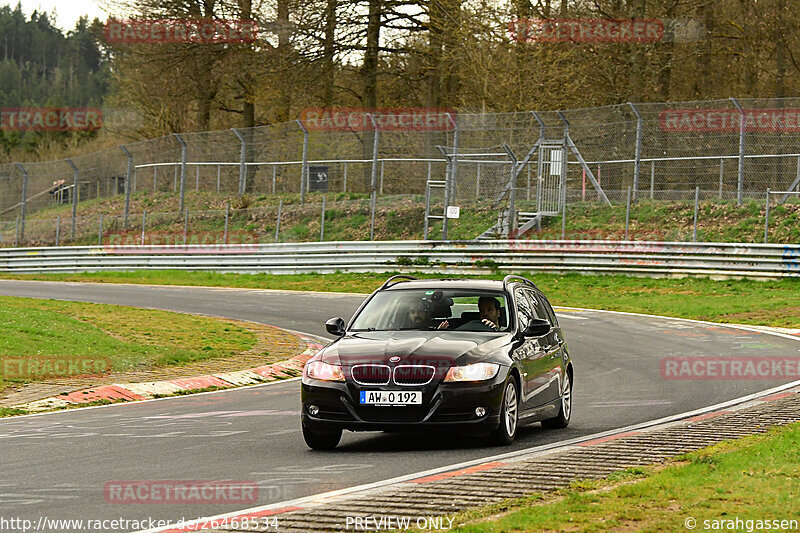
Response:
column 510, row 277
column 398, row 277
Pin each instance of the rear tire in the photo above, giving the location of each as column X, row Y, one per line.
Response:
column 561, row 420
column 321, row 441
column 509, row 416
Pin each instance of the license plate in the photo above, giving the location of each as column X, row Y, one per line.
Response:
column 383, row 397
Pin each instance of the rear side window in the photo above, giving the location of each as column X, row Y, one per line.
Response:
column 524, row 311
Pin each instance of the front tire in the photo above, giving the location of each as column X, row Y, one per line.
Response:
column 509, row 416
column 562, row 419
column 321, row 441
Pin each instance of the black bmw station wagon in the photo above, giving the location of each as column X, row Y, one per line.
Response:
column 479, row 356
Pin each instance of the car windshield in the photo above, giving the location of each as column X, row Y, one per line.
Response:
column 432, row 309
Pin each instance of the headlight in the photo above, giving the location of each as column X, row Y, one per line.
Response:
column 474, row 372
column 324, row 371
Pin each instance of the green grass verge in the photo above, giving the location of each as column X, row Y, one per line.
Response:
column 754, row 478
column 767, row 303
column 348, row 218
column 132, row 338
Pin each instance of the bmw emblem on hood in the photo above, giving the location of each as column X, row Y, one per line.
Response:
column 394, row 358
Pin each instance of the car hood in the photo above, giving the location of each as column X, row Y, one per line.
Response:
column 437, row 348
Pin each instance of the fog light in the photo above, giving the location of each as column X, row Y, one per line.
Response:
column 480, row 411
column 313, row 410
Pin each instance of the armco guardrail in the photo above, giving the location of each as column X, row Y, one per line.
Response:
column 658, row 259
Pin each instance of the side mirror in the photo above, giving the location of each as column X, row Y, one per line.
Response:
column 335, row 326
column 537, row 327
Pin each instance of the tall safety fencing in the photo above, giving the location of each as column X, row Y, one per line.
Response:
column 655, row 259
column 727, row 149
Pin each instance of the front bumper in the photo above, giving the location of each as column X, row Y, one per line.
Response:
column 450, row 405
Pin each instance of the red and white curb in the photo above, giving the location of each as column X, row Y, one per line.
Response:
column 149, row 390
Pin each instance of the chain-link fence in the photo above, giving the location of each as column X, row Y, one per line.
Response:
column 730, row 149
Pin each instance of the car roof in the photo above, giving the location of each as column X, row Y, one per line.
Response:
column 485, row 284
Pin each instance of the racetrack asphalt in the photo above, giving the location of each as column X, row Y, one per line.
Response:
column 57, row 465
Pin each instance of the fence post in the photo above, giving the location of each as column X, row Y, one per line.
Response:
column 128, row 177
column 322, row 221
column 197, row 178
column 242, row 162
column 100, row 232
column 381, row 182
column 638, row 155
column 564, row 220
column 766, row 220
column 58, row 228
column 344, row 184
column 74, row 195
column 183, row 169
column 274, row 178
column 144, row 223
column 185, row 226
column 219, row 173
column 696, row 201
column 155, row 175
column 454, row 165
column 627, row 213
column 721, row 174
column 373, row 180
column 304, row 167
column 652, row 177
column 740, row 181
column 278, row 223
column 24, row 208
column 16, row 233
column 227, row 216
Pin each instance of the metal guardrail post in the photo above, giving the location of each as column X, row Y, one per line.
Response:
column 740, row 182
column 696, row 202
column 227, row 217
column 128, row 177
column 373, row 180
column 304, row 166
column 278, row 223
column 766, row 220
column 185, row 226
column 627, row 213
column 183, row 169
column 74, row 195
column 652, row 177
column 322, row 222
column 24, row 205
column 454, row 169
column 242, row 162
column 638, row 154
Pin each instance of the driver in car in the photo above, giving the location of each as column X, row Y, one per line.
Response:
column 420, row 316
